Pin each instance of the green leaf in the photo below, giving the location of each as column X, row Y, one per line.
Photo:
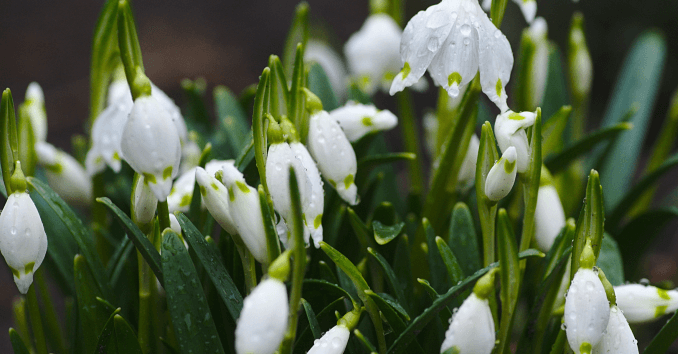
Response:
column 296, row 105
column 637, row 84
column 80, row 234
column 258, row 132
column 191, row 317
column 312, row 320
column 487, row 210
column 391, row 278
column 26, row 137
column 445, row 314
column 268, row 217
column 555, row 95
column 664, row 339
column 319, row 84
column 104, row 57
column 328, row 286
column 215, row 269
column 635, row 238
column 233, row 123
column 105, row 341
column 610, row 261
column 591, row 221
column 509, row 269
column 462, row 238
column 439, row 276
column 298, row 34
column 124, row 336
column 18, row 344
column 384, row 234
column 553, row 130
column 393, row 318
column 454, row 271
column 361, row 286
column 368, row 163
column 91, row 312
column 558, row 162
column 361, row 230
column 530, row 182
column 8, row 138
column 141, row 242
column 197, row 113
column 128, row 44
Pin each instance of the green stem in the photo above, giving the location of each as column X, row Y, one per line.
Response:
column 20, row 319
column 36, row 321
column 411, row 136
column 99, row 221
column 487, row 226
column 163, row 215
column 53, row 327
column 559, row 346
column 248, row 265
column 146, row 283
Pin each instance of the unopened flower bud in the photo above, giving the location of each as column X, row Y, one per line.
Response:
column 144, row 202
column 644, row 303
column 618, row 337
column 358, row 120
column 263, row 319
column 64, row 174
column 549, row 217
column 215, row 197
column 509, row 128
column 334, row 155
column 35, row 106
column 322, row 54
column 528, row 8
column 313, row 210
column 467, row 173
column 502, row 175
column 535, row 49
column 472, row 328
column 332, row 342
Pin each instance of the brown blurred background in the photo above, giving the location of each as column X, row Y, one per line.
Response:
column 228, row 42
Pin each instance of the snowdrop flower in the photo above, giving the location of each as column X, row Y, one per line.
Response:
column 618, row 337
column 453, row 40
column 151, row 145
column 537, row 62
column 329, row 60
column 644, row 303
column 173, row 110
column 549, row 216
column 468, row 166
column 215, row 197
column 502, row 175
column 358, row 120
column 587, row 310
column 35, row 107
column 472, row 327
column 263, row 320
column 334, row 341
column 313, row 210
column 509, row 128
column 190, row 154
column 334, row 155
column 528, row 8
column 181, row 194
column 64, row 174
column 245, row 210
column 23, row 241
column 144, row 202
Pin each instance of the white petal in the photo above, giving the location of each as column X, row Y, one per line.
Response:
column 94, row 162
column 181, row 194
column 509, row 131
column 151, row 145
column 280, row 158
column 215, row 197
column 587, row 310
column 263, row 320
column 468, row 167
column 144, row 202
column 172, row 109
column 35, row 101
column 643, row 303
column 23, row 241
column 334, row 155
column 549, row 217
column 456, row 64
column 502, row 175
column 332, row 342
column 618, row 337
column 357, row 120
column 313, row 210
column 118, row 91
column 216, row 165
column 528, row 8
column 107, row 132
column 472, row 328
column 331, row 62
column 496, row 61
column 65, row 174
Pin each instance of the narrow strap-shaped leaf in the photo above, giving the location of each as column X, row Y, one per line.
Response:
column 361, row 286
column 92, row 313
column 367, row 163
column 233, row 125
column 143, row 245
column 7, row 158
column 104, row 50
column 639, row 234
column 190, row 314
column 258, row 132
column 390, row 277
column 462, row 239
column 531, row 183
column 209, row 259
column 18, row 344
column 312, row 319
column 365, row 341
column 393, row 319
column 267, row 214
column 591, row 221
column 298, row 34
column 361, row 230
column 487, row 210
column 329, row 286
column 558, row 162
column 664, row 339
column 454, row 271
column 553, row 130
column 509, row 269
column 106, row 341
column 305, row 340
column 319, row 83
column 296, row 102
column 125, row 339
column 80, row 234
column 439, row 276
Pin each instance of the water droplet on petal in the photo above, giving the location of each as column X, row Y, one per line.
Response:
column 465, row 29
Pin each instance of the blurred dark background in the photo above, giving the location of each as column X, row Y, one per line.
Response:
column 228, row 43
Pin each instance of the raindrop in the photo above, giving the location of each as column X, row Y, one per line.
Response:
column 465, row 29
column 497, row 34
column 433, row 44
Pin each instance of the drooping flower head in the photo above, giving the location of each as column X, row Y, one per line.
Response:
column 509, row 128
column 65, row 174
column 549, row 216
column 454, row 40
column 35, row 107
column 263, row 320
column 618, row 337
column 334, row 341
column 644, row 303
column 322, row 54
column 502, row 175
column 215, row 197
column 357, row 119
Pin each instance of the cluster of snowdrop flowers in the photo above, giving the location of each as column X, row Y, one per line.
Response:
column 454, row 40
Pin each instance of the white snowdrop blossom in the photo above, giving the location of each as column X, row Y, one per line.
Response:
column 332, row 342
column 330, row 61
column 549, row 217
column 528, row 8
column 263, row 319
column 23, row 241
column 509, row 128
column 190, row 155
column 334, row 155
column 64, row 174
column 215, row 198
column 644, row 303
column 358, row 120
column 587, row 311
column 467, row 173
column 538, row 62
column 502, row 175
column 280, row 158
column 472, row 328
column 313, row 210
column 245, row 211
column 181, row 193
column 144, row 202
column 35, row 107
column 454, row 40
column 618, row 337
column 151, row 145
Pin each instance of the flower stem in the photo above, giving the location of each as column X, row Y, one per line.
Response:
column 36, row 321
column 53, row 328
column 247, row 265
column 163, row 215
column 411, row 136
column 99, row 218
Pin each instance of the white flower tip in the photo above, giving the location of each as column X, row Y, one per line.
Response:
column 23, row 282
column 317, row 235
column 501, row 177
column 529, row 9
column 397, row 85
column 332, row 342
column 162, row 188
column 202, row 177
column 34, row 93
column 46, row 153
column 348, row 192
column 538, row 28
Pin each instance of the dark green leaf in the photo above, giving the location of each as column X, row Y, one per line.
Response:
column 197, row 114
column 258, row 132
column 104, row 57
column 555, row 95
column 298, row 34
column 610, row 261
column 191, row 317
column 439, row 277
column 7, row 118
column 639, row 234
column 637, row 84
column 91, row 312
column 18, row 344
column 509, row 269
column 124, row 336
column 462, row 239
column 312, row 320
column 106, row 341
column 390, row 277
column 361, row 230
column 392, row 316
column 553, row 130
column 141, row 242
column 384, row 234
column 591, row 221
column 215, row 269
column 454, row 271
column 664, row 339
column 233, row 123
column 319, row 84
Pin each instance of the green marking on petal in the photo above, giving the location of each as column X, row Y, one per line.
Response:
column 348, row 181
column 214, row 186
column 28, row 268
column 454, row 78
column 203, row 191
column 509, row 166
column 406, row 70
column 231, row 196
column 499, row 87
column 116, row 156
column 515, row 116
column 317, row 221
column 367, row 121
column 15, row 272
column 185, row 200
column 453, row 350
column 663, row 294
column 149, row 178
column 167, row 173
column 659, row 311
column 56, row 168
column 499, row 161
column 585, row 348
column 242, row 186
